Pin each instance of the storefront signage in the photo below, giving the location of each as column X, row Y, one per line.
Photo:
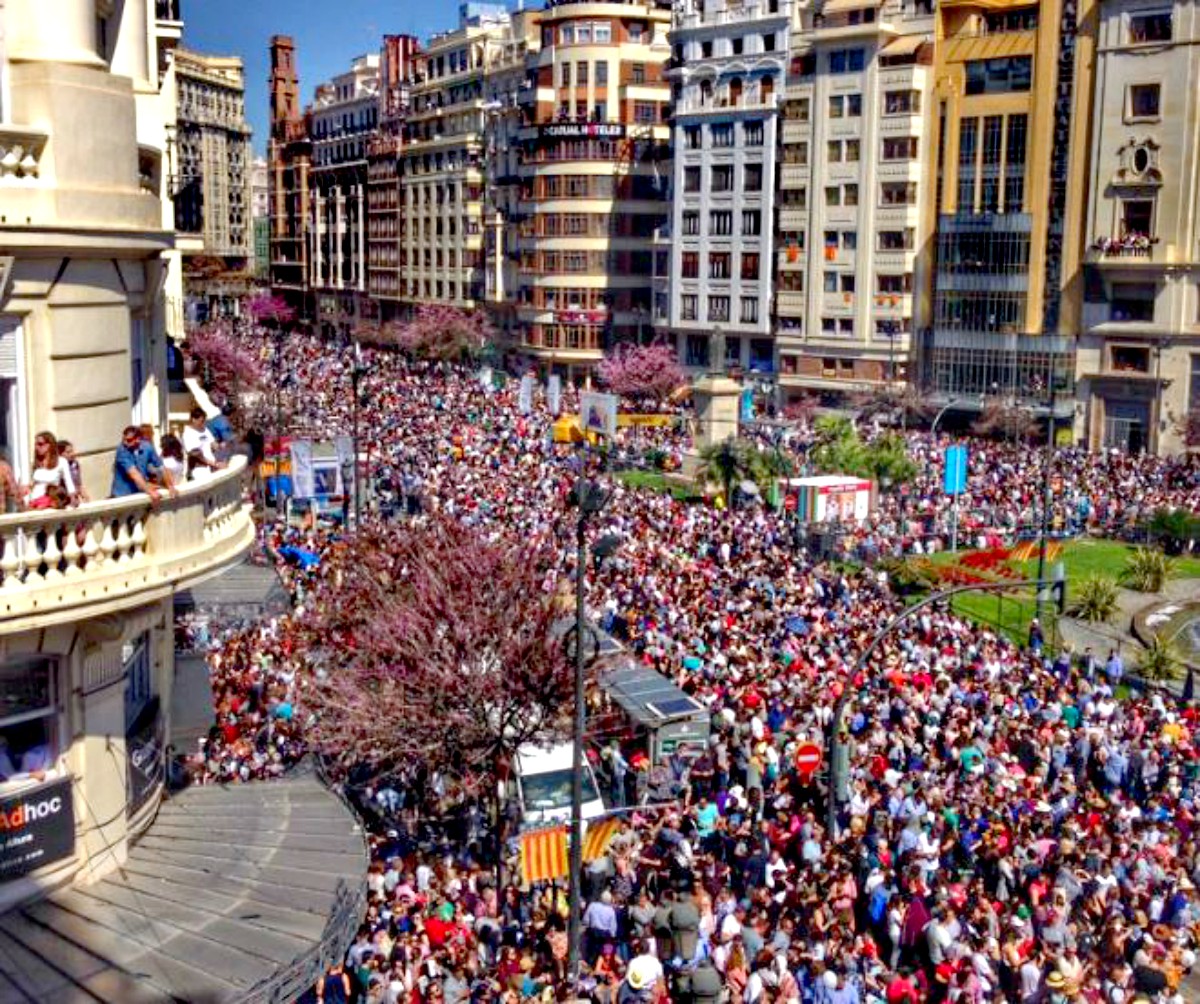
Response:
column 37, row 828
column 145, row 756
column 582, row 130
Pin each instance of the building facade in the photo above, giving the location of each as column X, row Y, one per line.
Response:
column 86, row 639
column 289, row 165
column 442, row 163
column 1139, row 349
column 728, row 67
column 854, row 179
column 260, row 216
column 342, row 122
column 1004, row 229
column 215, row 162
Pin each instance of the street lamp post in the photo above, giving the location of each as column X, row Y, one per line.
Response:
column 590, row 499
column 839, row 764
column 1047, row 493
column 357, row 372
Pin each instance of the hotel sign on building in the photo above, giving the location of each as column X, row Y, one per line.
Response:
column 582, row 130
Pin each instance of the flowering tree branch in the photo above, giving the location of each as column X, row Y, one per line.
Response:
column 642, row 371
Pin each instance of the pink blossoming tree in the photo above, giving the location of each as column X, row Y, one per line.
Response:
column 442, row 332
column 642, row 371
column 268, row 309
column 440, row 651
column 222, row 362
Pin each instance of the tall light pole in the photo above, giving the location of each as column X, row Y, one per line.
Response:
column 1047, row 493
column 589, row 498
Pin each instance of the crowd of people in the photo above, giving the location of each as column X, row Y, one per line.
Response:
column 1012, row 829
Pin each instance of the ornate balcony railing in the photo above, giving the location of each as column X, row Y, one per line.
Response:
column 63, row 564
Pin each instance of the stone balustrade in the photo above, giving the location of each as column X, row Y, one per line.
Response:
column 21, row 150
column 59, row 565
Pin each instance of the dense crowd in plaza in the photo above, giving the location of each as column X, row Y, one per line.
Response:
column 1013, row 830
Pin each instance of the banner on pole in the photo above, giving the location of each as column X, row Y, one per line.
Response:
column 303, row 478
column 525, row 395
column 954, row 481
column 554, row 393
column 544, row 855
column 344, row 446
column 598, row 413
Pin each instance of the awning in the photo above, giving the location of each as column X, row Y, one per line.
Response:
column 905, row 45
column 841, row 6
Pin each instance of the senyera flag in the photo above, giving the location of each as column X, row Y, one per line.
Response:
column 544, row 855
column 599, row 836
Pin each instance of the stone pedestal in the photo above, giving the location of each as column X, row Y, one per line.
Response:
column 717, row 400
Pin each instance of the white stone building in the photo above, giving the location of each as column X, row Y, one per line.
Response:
column 728, row 68
column 1138, row 357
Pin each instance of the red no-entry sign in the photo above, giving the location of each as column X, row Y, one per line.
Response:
column 808, row 759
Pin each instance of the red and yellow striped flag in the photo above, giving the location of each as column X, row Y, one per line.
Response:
column 544, row 855
column 599, row 836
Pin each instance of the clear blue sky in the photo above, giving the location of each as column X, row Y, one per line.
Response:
column 328, row 34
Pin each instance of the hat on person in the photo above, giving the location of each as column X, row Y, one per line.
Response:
column 641, row 972
column 1056, row 981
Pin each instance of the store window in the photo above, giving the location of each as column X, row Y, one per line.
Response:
column 28, row 719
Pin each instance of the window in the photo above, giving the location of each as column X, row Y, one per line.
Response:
column 636, row 30
column 753, row 133
column 1130, row 359
column 1137, row 216
column 895, row 283
column 899, row 147
column 836, row 105
column 637, row 73
column 645, row 112
column 737, row 45
column 999, row 76
column 691, row 138
column 691, row 223
column 691, row 179
column 899, row 193
column 833, row 151
column 135, row 658
column 581, row 74
column 751, row 266
column 846, row 61
column 831, row 282
column 566, row 34
column 720, row 223
column 846, row 281
column 1150, row 27
column 749, row 310
column 687, row 306
column 896, row 240
column 901, row 102
column 691, row 265
column 768, row 43
column 602, row 33
column 800, row 110
column 852, row 150
column 565, row 75
column 801, row 155
column 719, row 265
column 850, row 195
column 28, row 716
column 697, row 349
column 718, row 308
column 722, row 178
column 853, row 106
column 751, row 222
column 601, row 74
column 833, row 195
column 722, row 135
column 1133, row 301
column 706, row 49
column 1194, row 386
column 752, row 178
column 1143, row 101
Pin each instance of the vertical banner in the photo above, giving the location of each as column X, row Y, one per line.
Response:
column 954, row 481
column 747, row 405
column 344, row 446
column 303, row 481
column 525, row 395
column 485, row 379
column 598, row 413
column 554, row 393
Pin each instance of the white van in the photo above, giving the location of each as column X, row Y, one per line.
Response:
column 543, row 778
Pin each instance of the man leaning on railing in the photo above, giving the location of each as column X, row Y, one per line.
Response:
column 139, row 468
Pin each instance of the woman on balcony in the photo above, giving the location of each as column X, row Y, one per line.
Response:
column 51, row 485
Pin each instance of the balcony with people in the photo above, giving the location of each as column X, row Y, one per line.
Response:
column 170, row 520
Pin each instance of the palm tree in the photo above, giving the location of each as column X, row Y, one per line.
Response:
column 724, row 463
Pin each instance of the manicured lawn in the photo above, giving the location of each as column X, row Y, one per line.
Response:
column 656, row 481
column 1012, row 612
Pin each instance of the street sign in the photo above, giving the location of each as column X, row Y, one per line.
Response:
column 954, row 481
column 808, row 759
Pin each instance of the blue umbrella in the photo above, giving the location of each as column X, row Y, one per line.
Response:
column 303, row 558
column 691, row 662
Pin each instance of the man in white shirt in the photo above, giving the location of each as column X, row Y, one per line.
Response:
column 198, row 443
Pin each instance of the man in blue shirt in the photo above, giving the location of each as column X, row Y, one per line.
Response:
column 136, row 467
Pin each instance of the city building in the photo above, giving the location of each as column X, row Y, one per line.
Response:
column 86, row 640
column 384, row 203
column 260, row 216
column 212, row 188
column 1004, row 229
column 728, row 67
column 1138, row 359
column 443, row 162
column 289, row 163
column 856, row 156
column 342, row 121
column 594, row 178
